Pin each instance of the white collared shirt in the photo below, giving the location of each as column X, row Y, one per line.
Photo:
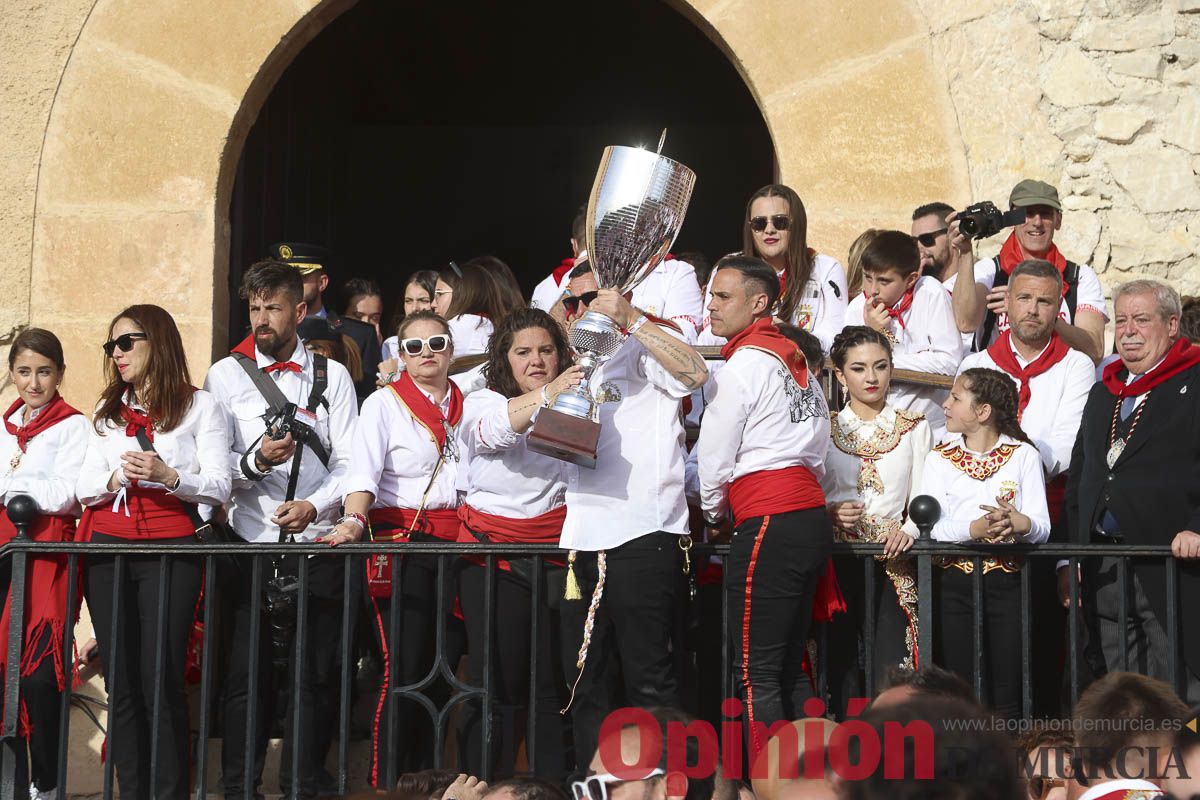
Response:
column 672, row 293
column 470, row 333
column 500, row 474
column 1056, row 401
column 49, row 468
column 548, row 290
column 255, row 502
column 197, row 449
column 758, row 419
column 928, row 341
column 1018, row 479
column 899, row 469
column 395, row 456
column 637, row 485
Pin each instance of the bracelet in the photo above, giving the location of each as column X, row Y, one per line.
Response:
column 359, row 519
column 545, row 396
column 636, row 326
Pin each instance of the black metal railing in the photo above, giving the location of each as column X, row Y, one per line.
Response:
column 21, row 550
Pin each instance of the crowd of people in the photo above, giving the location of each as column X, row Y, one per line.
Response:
column 336, row 428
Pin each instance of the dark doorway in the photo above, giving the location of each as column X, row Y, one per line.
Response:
column 408, row 134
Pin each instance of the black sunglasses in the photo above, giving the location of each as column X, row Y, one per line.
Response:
column 571, row 304
column 779, row 221
column 927, row 239
column 124, row 343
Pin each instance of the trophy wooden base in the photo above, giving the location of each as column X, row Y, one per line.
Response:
column 565, row 437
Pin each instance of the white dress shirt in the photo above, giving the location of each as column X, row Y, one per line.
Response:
column 637, row 485
column 198, row 449
column 470, row 333
column 49, row 468
column 671, row 292
column 758, row 419
column 903, row 443
column 255, row 502
column 548, row 290
column 499, row 474
column 1056, row 401
column 1011, row 469
column 928, row 341
column 395, row 456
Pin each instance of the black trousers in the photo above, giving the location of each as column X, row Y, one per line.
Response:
column 130, row 646
column 999, row 640
column 635, row 655
column 406, row 629
column 511, row 639
column 276, row 673
column 37, row 757
column 775, row 563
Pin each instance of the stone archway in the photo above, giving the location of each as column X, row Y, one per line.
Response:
column 157, row 96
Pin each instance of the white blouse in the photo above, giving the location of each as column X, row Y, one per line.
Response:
column 470, row 333
column 500, row 475
column 961, row 480
column 394, row 457
column 49, row 467
column 878, row 463
column 198, row 449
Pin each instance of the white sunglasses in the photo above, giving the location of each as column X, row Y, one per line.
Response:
column 415, row 345
column 595, row 787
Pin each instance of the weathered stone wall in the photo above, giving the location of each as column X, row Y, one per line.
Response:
column 1099, row 97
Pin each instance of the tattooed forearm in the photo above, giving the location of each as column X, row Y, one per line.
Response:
column 682, row 361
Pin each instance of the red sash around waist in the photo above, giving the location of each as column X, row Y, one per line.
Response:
column 542, row 529
column 152, row 514
column 774, row 491
column 397, row 523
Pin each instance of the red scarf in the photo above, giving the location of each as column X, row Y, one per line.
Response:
column 1002, row 353
column 565, row 266
column 763, row 334
column 1182, row 355
column 1012, row 254
column 52, row 413
column 897, row 311
column 136, row 421
column 424, row 411
column 246, row 348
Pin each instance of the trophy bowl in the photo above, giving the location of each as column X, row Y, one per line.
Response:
column 635, row 211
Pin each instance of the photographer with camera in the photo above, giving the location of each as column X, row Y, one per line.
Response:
column 293, row 417
column 1036, row 213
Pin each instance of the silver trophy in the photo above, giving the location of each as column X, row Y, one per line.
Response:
column 635, row 211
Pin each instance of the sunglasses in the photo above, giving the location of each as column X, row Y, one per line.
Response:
column 415, row 346
column 1039, row 787
column 124, row 343
column 571, row 304
column 927, row 239
column 778, row 221
column 595, row 787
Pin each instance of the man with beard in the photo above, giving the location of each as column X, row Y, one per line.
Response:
column 1053, row 382
column 284, row 491
column 946, row 253
column 1135, row 479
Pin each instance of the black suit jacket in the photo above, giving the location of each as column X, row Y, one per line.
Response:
column 1153, row 489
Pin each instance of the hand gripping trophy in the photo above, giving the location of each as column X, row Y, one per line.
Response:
column 634, row 213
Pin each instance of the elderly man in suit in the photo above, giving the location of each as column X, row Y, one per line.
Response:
column 1135, row 479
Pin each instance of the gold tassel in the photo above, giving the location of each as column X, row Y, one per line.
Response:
column 572, row 591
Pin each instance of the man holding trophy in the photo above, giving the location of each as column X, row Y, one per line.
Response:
column 622, row 431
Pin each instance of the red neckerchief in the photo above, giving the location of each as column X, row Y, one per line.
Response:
column 562, row 269
column 246, row 347
column 1012, row 254
column 1002, row 353
column 763, row 334
column 282, row 366
column 135, row 421
column 783, row 274
column 1181, row 356
column 53, row 412
column 423, row 409
column 897, row 311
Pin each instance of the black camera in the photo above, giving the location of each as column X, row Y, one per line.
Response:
column 281, row 598
column 286, row 421
column 983, row 219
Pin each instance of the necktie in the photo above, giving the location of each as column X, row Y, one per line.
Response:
column 1128, row 403
column 282, row 366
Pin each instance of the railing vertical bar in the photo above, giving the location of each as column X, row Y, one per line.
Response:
column 299, row 732
column 160, row 653
column 489, row 615
column 206, row 677
column 344, row 687
column 977, row 626
column 1174, row 673
column 924, row 603
column 254, row 656
column 535, row 604
column 439, row 656
column 1123, row 610
column 12, row 678
column 868, row 626
column 1026, row 641
column 112, row 671
column 68, row 659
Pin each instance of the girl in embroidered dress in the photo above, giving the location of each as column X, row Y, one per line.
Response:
column 403, row 482
column 988, row 481
column 871, row 472
column 41, row 450
column 158, row 447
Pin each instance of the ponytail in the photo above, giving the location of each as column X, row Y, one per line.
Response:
column 997, row 390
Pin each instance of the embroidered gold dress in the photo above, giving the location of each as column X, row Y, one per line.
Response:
column 878, row 463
